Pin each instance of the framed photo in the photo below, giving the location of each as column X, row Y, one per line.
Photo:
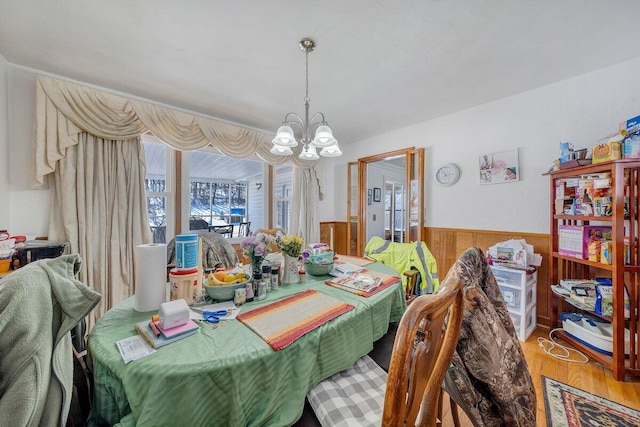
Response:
column 499, row 167
column 369, row 192
column 377, row 194
column 369, row 198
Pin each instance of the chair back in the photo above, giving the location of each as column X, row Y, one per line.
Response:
column 272, row 231
column 226, row 230
column 244, row 229
column 424, row 345
column 275, row 232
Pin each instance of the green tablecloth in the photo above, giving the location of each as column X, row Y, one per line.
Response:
column 229, row 376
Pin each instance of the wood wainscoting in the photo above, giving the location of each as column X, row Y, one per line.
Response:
column 447, row 244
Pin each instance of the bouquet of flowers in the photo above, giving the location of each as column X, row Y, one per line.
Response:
column 290, row 244
column 257, row 247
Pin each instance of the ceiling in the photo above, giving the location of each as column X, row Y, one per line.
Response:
column 378, row 66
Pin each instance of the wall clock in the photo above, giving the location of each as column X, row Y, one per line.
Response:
column 448, row 174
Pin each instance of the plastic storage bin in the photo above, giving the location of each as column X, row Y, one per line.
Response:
column 519, row 292
column 525, row 325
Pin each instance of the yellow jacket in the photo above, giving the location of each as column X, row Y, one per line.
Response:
column 406, row 256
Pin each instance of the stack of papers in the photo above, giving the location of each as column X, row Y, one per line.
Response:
column 359, row 281
column 344, row 269
column 515, row 253
column 154, row 341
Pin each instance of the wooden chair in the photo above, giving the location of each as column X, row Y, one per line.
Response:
column 409, row 394
column 412, row 278
column 226, row 230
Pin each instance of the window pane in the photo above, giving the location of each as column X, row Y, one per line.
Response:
column 156, row 188
column 219, row 190
column 282, row 191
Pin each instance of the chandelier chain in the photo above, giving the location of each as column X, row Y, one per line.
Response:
column 306, row 98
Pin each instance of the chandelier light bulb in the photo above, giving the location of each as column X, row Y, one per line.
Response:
column 285, row 137
column 280, row 150
column 324, row 137
column 309, row 153
column 331, row 151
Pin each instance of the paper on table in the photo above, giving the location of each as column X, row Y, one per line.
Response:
column 196, row 312
column 133, row 348
column 345, row 268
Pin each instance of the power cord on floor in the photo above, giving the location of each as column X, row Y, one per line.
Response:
column 548, row 345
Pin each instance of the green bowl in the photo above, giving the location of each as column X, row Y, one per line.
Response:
column 318, row 269
column 224, row 292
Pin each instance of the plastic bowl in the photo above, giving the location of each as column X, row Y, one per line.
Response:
column 318, row 269
column 224, row 292
column 322, row 258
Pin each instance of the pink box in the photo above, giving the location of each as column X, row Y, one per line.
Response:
column 573, row 240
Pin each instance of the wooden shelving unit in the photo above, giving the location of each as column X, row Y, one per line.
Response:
column 625, row 184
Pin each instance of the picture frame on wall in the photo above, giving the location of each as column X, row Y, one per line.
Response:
column 377, row 194
column 499, row 167
column 369, row 198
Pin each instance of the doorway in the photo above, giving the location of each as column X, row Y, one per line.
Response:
column 385, row 198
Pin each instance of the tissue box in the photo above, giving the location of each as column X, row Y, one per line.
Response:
column 606, row 152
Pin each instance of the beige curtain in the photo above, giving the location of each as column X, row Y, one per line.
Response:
column 307, row 190
column 68, row 113
column 63, row 109
column 99, row 207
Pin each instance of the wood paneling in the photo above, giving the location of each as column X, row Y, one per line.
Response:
column 335, row 235
column 447, row 244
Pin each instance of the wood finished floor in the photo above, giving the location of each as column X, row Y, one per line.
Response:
column 591, row 377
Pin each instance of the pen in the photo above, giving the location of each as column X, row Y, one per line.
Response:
column 154, row 329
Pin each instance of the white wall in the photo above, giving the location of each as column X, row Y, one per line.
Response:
column 5, row 199
column 580, row 110
column 29, row 213
column 377, row 174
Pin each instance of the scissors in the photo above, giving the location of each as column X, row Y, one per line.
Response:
column 214, row 316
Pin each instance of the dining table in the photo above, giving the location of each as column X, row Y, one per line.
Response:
column 227, row 374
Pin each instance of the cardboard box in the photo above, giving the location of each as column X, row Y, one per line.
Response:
column 606, row 152
column 631, row 125
column 631, row 148
column 605, row 251
column 573, row 240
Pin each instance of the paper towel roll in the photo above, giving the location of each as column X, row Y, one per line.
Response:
column 151, row 276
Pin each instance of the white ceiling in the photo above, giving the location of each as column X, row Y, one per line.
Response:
column 378, row 66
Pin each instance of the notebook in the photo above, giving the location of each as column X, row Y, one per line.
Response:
column 177, row 330
column 145, row 332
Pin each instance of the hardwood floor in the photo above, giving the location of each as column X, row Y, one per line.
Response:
column 591, row 377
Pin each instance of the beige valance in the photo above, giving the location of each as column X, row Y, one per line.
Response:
column 64, row 109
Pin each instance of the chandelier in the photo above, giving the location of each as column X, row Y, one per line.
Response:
column 285, row 138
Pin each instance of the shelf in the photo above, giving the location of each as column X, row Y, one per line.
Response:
column 580, row 306
column 606, row 360
column 624, row 221
column 583, row 218
column 594, row 264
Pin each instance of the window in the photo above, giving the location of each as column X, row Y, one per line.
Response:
column 221, row 190
column 282, row 195
column 158, row 185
